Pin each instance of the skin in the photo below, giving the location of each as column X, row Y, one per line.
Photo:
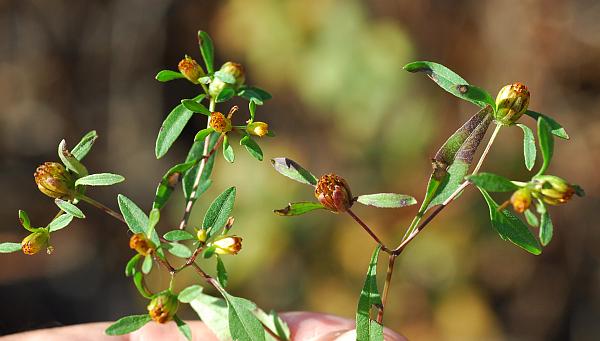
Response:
column 303, row 326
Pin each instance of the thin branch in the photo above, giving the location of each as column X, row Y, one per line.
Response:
column 369, row 231
column 102, row 207
column 386, row 287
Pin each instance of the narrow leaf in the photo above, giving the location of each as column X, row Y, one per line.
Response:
column 298, row 208
column 168, row 75
column 168, row 182
column 60, row 222
column 178, row 235
column 70, row 161
column 252, row 147
column 452, row 82
column 10, row 247
column 100, row 179
column 386, row 200
column 546, row 226
column 213, row 312
column 254, row 94
column 85, row 145
column 293, row 170
column 222, row 275
column 147, row 264
column 130, row 267
column 243, row 325
column 172, row 127
column 510, row 227
column 190, row 293
column 138, row 280
column 195, row 154
column 136, row 219
column 183, row 328
column 492, row 182
column 218, row 212
column 207, row 50
column 202, row 134
column 556, row 128
column 529, row 149
column 195, row 107
column 24, row 220
column 546, row 143
column 228, row 153
column 69, row 208
column 225, row 95
column 178, row 250
column 531, row 218
column 128, row 324
column 366, row 328
column 225, row 77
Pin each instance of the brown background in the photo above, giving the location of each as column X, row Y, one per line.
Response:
column 341, row 103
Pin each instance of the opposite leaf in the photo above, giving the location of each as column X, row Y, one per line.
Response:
column 70, row 161
column 386, row 200
column 168, row 75
column 85, row 145
column 183, row 327
column 294, row 171
column 128, row 324
column 252, row 147
column 243, row 325
column 492, row 182
column 366, row 328
column 546, row 142
column 100, row 179
column 69, row 208
column 196, row 154
column 218, row 212
column 556, row 129
column 529, row 149
column 207, row 50
column 298, row 208
column 60, row 222
column 172, row 127
column 168, row 182
column 10, row 247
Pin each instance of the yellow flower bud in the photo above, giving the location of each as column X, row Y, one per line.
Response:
column 35, row 242
column 190, row 69
column 163, row 307
column 521, row 200
column 236, row 70
column 201, row 235
column 53, row 179
column 553, row 190
column 333, row 192
column 228, row 245
column 140, row 243
column 259, row 129
column 219, row 122
column 511, row 103
column 215, row 87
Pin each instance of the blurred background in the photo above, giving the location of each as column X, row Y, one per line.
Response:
column 343, row 104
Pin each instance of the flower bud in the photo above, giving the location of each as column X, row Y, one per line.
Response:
column 201, row 235
column 259, row 129
column 216, row 86
column 228, row 245
column 190, row 69
column 163, row 307
column 521, row 200
column 219, row 122
column 511, row 103
column 140, row 243
column 35, row 242
column 334, row 193
column 236, row 70
column 554, row 190
column 53, row 179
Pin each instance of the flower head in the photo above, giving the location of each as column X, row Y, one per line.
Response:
column 334, row 193
column 35, row 242
column 163, row 307
column 190, row 69
column 53, row 179
column 140, row 243
column 511, row 103
column 259, row 129
column 553, row 190
column 228, row 245
column 219, row 122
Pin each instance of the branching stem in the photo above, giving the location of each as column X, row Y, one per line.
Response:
column 102, row 207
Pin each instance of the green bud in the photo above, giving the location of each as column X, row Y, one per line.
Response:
column 511, row 103
column 53, row 179
column 553, row 190
column 216, row 86
column 36, row 242
column 521, row 200
column 163, row 307
column 236, row 70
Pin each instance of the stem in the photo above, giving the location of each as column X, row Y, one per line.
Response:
column 369, row 231
column 205, row 156
column 102, row 207
column 386, row 287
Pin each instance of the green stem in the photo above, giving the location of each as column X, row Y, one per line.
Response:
column 102, row 207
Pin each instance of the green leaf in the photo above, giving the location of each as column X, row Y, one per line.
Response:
column 529, row 149
column 130, row 267
column 178, row 235
column 190, row 293
column 510, row 227
column 85, row 145
column 274, row 323
column 546, row 226
column 225, row 77
column 366, row 328
column 136, row 219
column 128, row 324
column 298, row 208
column 253, row 93
column 195, row 107
column 225, row 95
column 183, row 328
column 452, row 161
column 69, row 208
column 492, row 182
column 178, row 250
column 294, row 171
column 70, row 161
column 243, row 325
column 386, row 200
column 202, row 134
column 218, row 212
column 60, row 222
column 196, row 154
column 138, row 280
column 25, row 222
column 451, row 82
column 252, row 147
column 531, row 218
column 147, row 264
column 168, row 75
column 10, row 247
column 546, row 143
column 100, row 179
column 213, row 312
column 172, row 127
column 222, row 276
column 209, row 252
column 168, row 182
column 228, row 150
column 252, row 109
column 153, row 219
column 556, row 128
column 207, row 50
